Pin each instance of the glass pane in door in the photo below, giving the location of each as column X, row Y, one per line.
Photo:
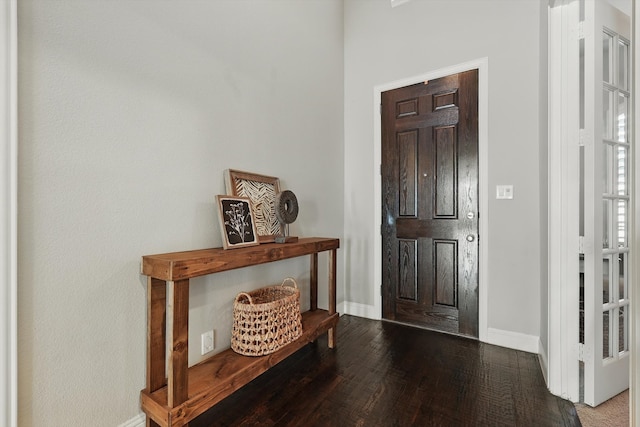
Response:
column 606, row 273
column 607, row 57
column 606, row 333
column 622, row 324
column 621, row 172
column 621, row 119
column 607, row 114
column 606, row 224
column 623, row 64
column 607, row 159
column 621, row 223
column 622, row 274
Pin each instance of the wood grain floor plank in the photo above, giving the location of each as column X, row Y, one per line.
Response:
column 385, row 374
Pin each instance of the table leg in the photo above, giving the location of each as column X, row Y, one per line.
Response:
column 332, row 294
column 178, row 314
column 156, row 333
column 313, row 282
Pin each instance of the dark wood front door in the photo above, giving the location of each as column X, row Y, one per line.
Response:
column 430, row 204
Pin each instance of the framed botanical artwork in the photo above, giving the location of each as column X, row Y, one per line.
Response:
column 236, row 222
column 262, row 191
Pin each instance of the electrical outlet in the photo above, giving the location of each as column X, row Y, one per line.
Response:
column 207, row 342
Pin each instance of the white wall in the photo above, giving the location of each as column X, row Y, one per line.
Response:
column 384, row 44
column 129, row 113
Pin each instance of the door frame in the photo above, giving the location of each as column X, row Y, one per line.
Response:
column 482, row 65
column 562, row 370
column 634, row 330
column 8, row 213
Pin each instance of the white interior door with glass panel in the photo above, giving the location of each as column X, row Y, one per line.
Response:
column 606, row 199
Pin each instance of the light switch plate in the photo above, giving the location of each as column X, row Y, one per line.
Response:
column 504, row 192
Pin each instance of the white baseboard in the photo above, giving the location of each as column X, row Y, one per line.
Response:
column 361, row 310
column 340, row 308
column 139, row 420
column 514, row 340
column 509, row 339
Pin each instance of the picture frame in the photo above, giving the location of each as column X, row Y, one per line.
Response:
column 236, row 220
column 262, row 191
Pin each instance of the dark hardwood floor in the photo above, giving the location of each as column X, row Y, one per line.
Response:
column 385, row 374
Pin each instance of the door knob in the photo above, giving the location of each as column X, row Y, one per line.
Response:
column 470, row 215
column 471, row 238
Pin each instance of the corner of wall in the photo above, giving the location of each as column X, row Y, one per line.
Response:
column 543, row 359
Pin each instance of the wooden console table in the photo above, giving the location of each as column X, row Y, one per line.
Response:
column 178, row 394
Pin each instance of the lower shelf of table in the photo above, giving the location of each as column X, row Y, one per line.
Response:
column 219, row 376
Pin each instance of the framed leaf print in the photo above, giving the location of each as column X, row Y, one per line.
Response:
column 262, row 191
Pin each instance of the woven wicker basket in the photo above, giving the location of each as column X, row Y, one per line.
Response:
column 266, row 319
